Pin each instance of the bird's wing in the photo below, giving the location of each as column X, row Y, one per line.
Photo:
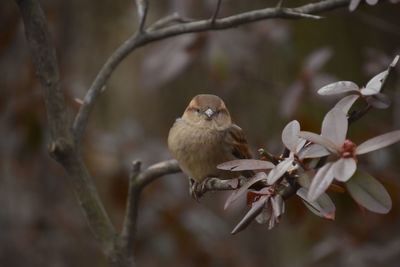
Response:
column 240, row 148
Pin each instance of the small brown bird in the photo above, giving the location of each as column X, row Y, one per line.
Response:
column 204, row 137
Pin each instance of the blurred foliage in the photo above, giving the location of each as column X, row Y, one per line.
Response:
column 252, row 68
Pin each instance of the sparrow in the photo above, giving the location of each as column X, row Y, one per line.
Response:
column 203, row 138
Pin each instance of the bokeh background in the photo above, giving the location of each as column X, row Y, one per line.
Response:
column 267, row 73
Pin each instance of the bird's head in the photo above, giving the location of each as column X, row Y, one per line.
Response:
column 208, row 111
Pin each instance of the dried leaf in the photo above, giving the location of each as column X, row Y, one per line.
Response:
column 320, row 140
column 256, row 209
column 321, row 181
column 322, row 207
column 243, row 189
column 338, row 88
column 344, row 168
column 246, row 164
column 334, row 126
column 290, row 135
column 346, row 102
column 279, row 170
column 369, row 193
column 313, row 151
column 378, row 142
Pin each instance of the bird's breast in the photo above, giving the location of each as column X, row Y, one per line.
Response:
column 198, row 150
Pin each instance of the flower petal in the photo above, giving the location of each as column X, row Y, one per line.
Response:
column 245, row 164
column 378, row 142
column 243, row 189
column 313, row 151
column 322, row 207
column 394, row 62
column 279, row 170
column 334, row 126
column 321, row 181
column 346, row 102
column 338, row 88
column 344, row 168
column 369, row 193
column 374, row 85
column 256, row 208
column 290, row 136
column 320, row 140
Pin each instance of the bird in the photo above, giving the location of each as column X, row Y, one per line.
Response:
column 203, row 137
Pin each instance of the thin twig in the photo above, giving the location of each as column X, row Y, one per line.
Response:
column 216, row 11
column 142, row 8
column 139, row 40
column 168, row 20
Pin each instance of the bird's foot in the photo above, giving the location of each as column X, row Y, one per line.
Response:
column 197, row 189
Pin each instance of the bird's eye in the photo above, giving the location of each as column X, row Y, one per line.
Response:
column 197, row 110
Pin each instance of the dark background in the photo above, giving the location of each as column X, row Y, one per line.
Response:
column 263, row 71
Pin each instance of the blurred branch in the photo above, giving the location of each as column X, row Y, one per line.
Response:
column 168, row 20
column 142, row 38
column 137, row 181
column 215, row 15
column 62, row 146
column 142, row 7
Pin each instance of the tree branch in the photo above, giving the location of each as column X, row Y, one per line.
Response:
column 142, row 7
column 141, row 39
column 62, row 146
column 215, row 15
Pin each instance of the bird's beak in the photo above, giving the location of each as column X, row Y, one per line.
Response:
column 209, row 112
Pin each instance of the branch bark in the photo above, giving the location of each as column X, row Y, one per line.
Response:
column 142, row 38
column 62, row 146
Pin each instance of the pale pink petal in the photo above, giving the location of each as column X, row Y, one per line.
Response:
column 290, row 135
column 374, row 85
column 346, row 102
column 338, row 88
column 243, row 189
column 313, row 151
column 279, row 170
column 245, row 164
column 256, row 208
column 320, row 140
column 322, row 207
column 378, row 142
column 321, row 181
column 334, row 126
column 344, row 168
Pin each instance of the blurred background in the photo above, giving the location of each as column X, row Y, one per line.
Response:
column 267, row 73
